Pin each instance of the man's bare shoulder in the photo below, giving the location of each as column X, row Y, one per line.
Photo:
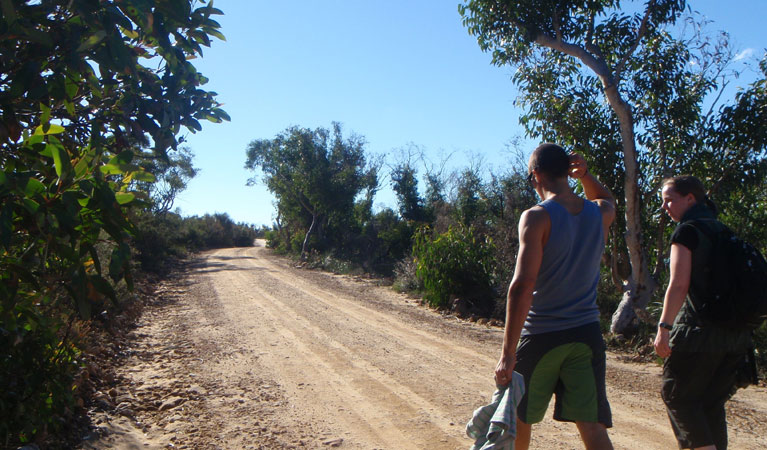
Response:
column 607, row 208
column 535, row 215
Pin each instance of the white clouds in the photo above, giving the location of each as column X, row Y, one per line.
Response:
column 747, row 53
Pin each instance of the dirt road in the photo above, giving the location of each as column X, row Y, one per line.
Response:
column 246, row 351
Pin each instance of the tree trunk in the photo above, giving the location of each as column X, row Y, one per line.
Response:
column 306, row 238
column 640, row 286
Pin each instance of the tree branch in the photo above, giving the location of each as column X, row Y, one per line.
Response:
column 597, row 64
column 590, row 37
column 716, row 100
column 557, row 25
column 640, row 34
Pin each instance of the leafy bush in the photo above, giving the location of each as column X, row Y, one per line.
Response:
column 243, row 235
column 162, row 237
column 455, row 263
column 78, row 100
column 405, row 277
column 37, row 366
column 159, row 239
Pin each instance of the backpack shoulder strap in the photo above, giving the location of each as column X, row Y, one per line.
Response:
column 710, row 229
column 708, row 226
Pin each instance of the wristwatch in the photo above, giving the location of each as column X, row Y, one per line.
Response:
column 665, row 325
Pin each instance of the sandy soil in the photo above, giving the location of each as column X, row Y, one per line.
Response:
column 246, row 351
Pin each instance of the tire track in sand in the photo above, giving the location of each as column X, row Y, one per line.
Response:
column 385, row 382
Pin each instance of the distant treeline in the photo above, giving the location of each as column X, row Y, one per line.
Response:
column 160, row 238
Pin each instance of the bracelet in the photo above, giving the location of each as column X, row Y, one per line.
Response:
column 665, row 325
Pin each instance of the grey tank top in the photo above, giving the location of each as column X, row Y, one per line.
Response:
column 566, row 289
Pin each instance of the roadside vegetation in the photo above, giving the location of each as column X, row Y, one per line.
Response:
column 94, row 97
column 641, row 96
column 97, row 97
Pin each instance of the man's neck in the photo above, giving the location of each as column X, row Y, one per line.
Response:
column 556, row 190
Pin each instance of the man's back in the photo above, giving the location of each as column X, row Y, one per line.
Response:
column 565, row 291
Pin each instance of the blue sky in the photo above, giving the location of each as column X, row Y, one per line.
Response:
column 398, row 73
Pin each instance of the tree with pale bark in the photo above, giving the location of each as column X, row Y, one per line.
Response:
column 612, row 81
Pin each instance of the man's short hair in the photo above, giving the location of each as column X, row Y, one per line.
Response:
column 550, row 159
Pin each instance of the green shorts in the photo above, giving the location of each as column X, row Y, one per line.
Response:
column 569, row 363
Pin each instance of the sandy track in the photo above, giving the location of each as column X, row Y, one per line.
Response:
column 247, row 351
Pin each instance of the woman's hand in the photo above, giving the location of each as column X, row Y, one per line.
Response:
column 661, row 343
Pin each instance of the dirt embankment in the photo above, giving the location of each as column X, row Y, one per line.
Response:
column 246, row 351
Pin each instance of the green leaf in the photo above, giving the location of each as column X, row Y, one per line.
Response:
column 92, row 41
column 124, row 197
column 81, row 167
column 94, row 256
column 31, row 205
column 71, row 88
column 85, row 161
column 110, row 169
column 216, row 34
column 60, row 160
column 38, row 36
column 144, row 176
column 32, row 187
column 70, row 107
column 119, row 261
column 132, row 34
column 46, row 117
column 103, row 287
column 32, row 140
column 124, row 157
column 47, row 129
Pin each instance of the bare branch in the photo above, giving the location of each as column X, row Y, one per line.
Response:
column 716, row 100
column 590, row 46
column 640, row 34
column 595, row 63
column 590, row 32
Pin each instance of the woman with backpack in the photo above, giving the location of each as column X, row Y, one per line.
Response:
column 702, row 358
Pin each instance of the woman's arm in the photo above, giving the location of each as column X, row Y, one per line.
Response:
column 680, row 265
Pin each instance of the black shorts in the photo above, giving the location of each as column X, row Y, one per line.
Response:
column 570, row 364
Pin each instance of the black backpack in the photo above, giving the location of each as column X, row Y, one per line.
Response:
column 736, row 293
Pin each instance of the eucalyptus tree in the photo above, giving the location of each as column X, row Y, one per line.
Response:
column 404, row 182
column 172, row 174
column 737, row 143
column 608, row 78
column 405, row 185
column 315, row 176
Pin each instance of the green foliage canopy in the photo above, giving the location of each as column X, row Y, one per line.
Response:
column 571, row 56
column 315, row 175
column 83, row 83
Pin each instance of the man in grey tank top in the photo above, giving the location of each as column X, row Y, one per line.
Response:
column 552, row 335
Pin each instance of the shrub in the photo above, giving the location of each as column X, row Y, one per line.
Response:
column 160, row 238
column 37, row 366
column 405, row 277
column 244, row 235
column 455, row 263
